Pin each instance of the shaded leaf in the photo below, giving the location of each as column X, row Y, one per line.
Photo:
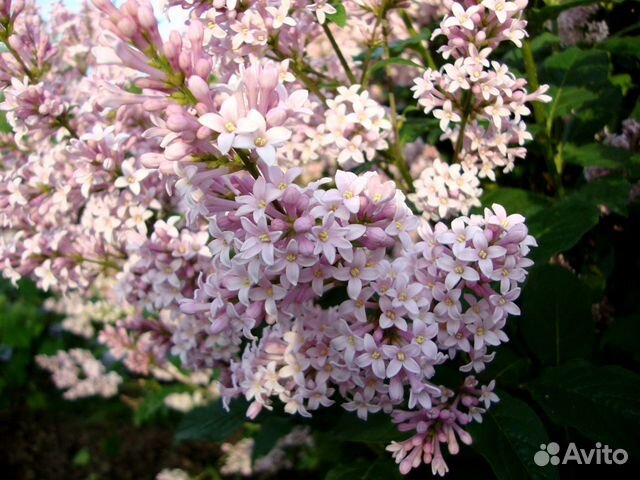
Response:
column 508, row 437
column 596, row 155
column 377, row 429
column 612, row 192
column 516, row 200
column 623, row 335
column 351, row 471
column 212, row 422
column 272, row 428
column 602, row 403
column 557, row 324
column 390, row 61
column 623, row 46
column 561, row 226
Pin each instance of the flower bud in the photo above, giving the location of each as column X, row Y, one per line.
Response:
column 303, row 224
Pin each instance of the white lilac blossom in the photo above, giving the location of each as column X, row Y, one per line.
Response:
column 189, row 196
column 479, row 103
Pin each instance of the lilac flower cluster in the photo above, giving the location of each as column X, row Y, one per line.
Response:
column 578, row 25
column 80, row 374
column 479, row 103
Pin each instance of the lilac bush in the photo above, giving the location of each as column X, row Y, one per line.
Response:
column 237, row 195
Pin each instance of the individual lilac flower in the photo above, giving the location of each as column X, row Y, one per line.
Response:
column 459, row 234
column 253, row 134
column 457, row 270
column 348, row 189
column 295, row 405
column 509, row 274
column 486, row 332
column 222, row 243
column 482, row 253
column 373, row 357
column 317, row 274
column 225, row 123
column 448, row 301
column 405, row 294
column 319, row 396
column 357, row 306
column 263, row 194
column 291, row 261
column 331, row 236
column 422, row 335
column 362, row 405
column 282, row 179
column 259, row 240
column 461, row 16
column 487, row 396
column 401, row 358
column 500, row 8
column 270, row 293
column 281, row 14
column 446, row 114
column 131, row 177
column 350, row 149
column 329, row 203
column 404, row 221
column 501, row 218
column 346, row 342
column 505, row 302
column 47, row 278
column 355, row 272
column 391, row 316
column 322, row 8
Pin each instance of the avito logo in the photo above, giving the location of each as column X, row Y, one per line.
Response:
column 550, row 454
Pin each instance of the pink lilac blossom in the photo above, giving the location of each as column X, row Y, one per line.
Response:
column 80, row 374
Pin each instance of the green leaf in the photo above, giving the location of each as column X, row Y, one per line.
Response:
column 398, row 47
column 586, row 69
column 414, row 128
column 602, row 403
column 390, row 61
column 508, row 368
column 561, row 226
column 623, row 335
column 622, row 46
column 152, row 405
column 351, row 471
column 83, row 457
column 383, row 468
column 596, row 155
column 212, row 422
column 272, row 428
column 4, row 125
column 611, row 192
column 340, row 17
column 557, row 324
column 508, row 438
column 570, row 100
column 516, row 200
column 377, row 429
